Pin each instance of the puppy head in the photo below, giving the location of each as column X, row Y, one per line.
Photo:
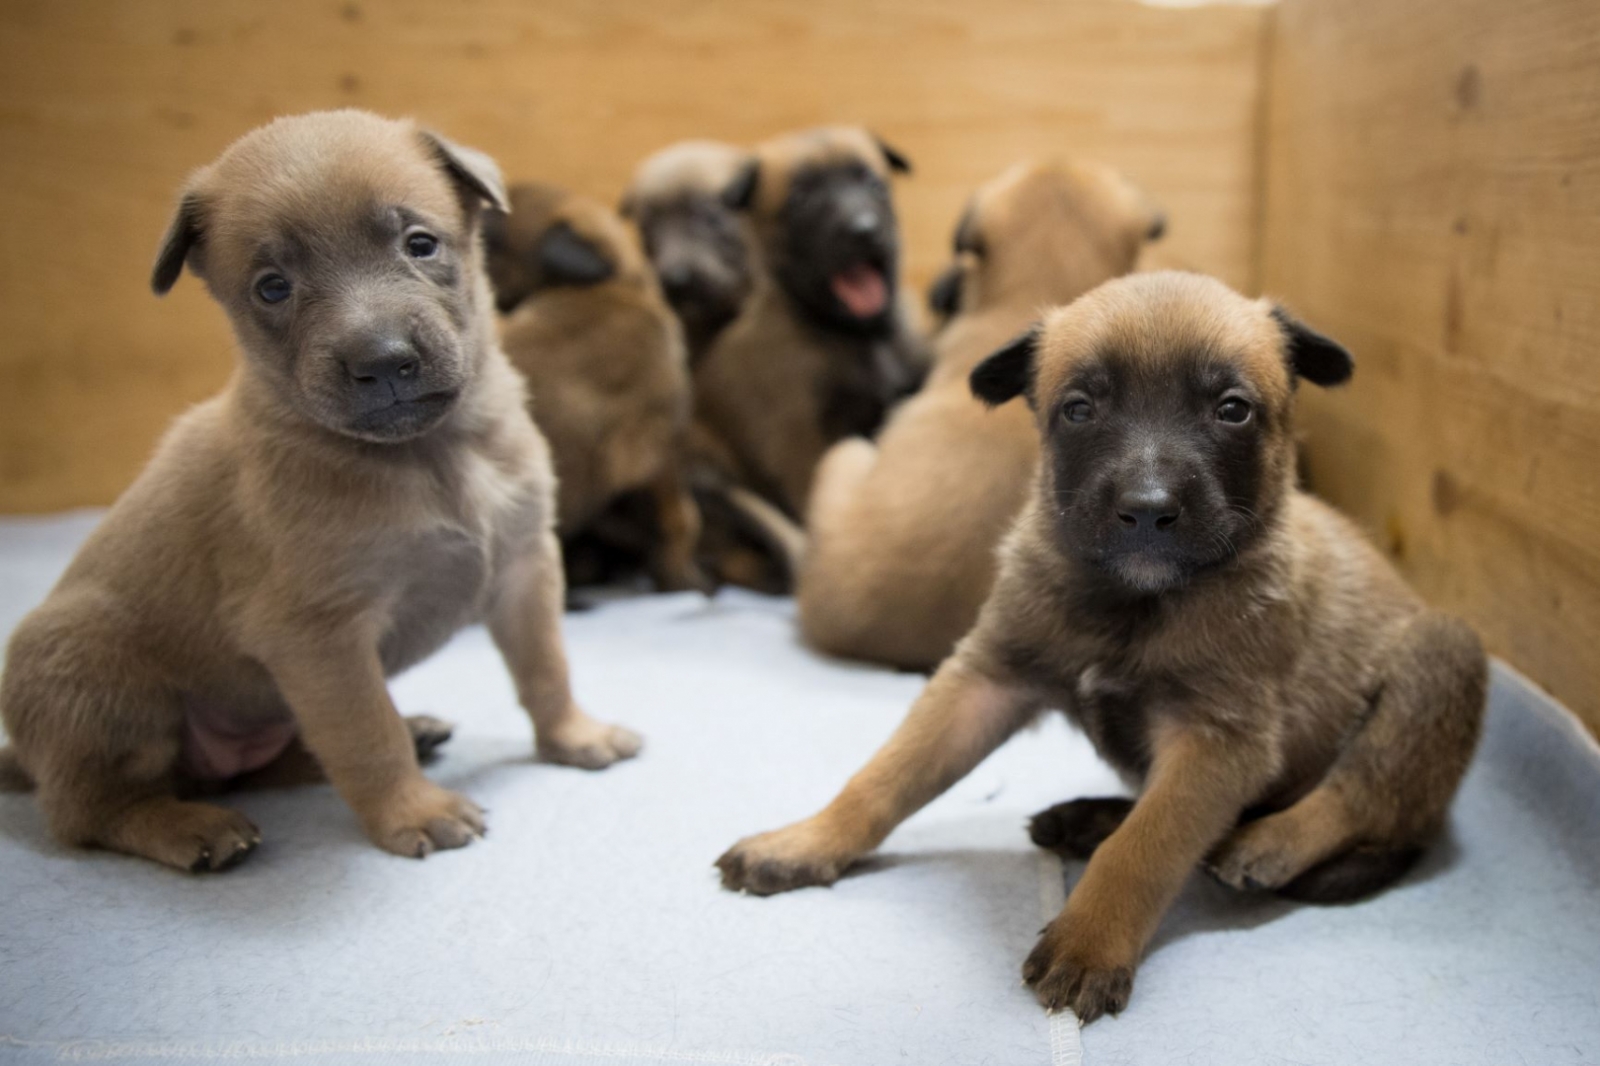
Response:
column 552, row 238
column 1164, row 402
column 821, row 204
column 1045, row 233
column 344, row 248
column 695, row 240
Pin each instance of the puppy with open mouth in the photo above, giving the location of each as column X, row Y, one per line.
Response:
column 368, row 483
column 1291, row 714
column 822, row 347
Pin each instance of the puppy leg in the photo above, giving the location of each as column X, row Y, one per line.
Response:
column 672, row 559
column 1198, row 783
column 1387, row 795
column 1075, row 828
column 336, row 689
column 525, row 621
column 101, row 738
column 957, row 721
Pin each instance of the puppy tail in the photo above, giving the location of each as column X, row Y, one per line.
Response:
column 13, row 778
column 1356, row 874
column 777, row 530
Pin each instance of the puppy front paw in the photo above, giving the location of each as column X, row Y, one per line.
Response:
column 1070, row 971
column 421, row 818
column 588, row 744
column 798, row 856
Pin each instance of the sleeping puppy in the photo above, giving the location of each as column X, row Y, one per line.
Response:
column 822, row 347
column 697, row 243
column 604, row 358
column 368, row 483
column 902, row 533
column 1292, row 714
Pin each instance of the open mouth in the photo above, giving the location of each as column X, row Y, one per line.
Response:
column 862, row 289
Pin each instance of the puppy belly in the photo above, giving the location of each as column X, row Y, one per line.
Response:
column 217, row 747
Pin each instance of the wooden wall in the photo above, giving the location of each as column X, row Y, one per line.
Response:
column 1433, row 200
column 106, row 104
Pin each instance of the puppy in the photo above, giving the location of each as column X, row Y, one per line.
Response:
column 368, row 483
column 902, row 534
column 1291, row 712
column 604, row 356
column 822, row 347
column 697, row 243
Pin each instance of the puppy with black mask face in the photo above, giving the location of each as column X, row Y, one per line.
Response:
column 699, row 245
column 902, row 531
column 822, row 347
column 368, row 483
column 1292, row 715
column 604, row 357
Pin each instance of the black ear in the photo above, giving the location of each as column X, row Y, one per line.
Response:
column 1158, row 226
column 967, row 238
column 1318, row 359
column 566, row 258
column 893, row 156
column 184, row 233
column 471, row 169
column 945, row 296
column 740, row 192
column 1008, row 373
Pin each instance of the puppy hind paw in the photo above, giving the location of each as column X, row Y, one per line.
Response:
column 428, row 734
column 1075, row 828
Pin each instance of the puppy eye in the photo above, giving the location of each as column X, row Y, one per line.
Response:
column 273, row 288
column 1077, row 411
column 422, row 246
column 1234, row 410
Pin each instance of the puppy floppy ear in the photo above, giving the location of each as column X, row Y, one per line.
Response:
column 1008, row 373
column 967, row 237
column 1318, row 359
column 184, row 234
column 567, row 259
column 893, row 156
column 471, row 169
column 945, row 296
column 740, row 192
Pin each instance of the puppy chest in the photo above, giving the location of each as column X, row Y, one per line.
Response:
column 1111, row 707
column 435, row 588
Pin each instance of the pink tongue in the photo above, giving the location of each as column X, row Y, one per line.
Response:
column 862, row 290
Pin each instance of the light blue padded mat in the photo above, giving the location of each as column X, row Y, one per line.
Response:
column 588, row 928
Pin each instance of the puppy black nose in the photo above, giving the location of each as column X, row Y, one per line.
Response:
column 389, row 362
column 1147, row 507
column 676, row 278
column 863, row 223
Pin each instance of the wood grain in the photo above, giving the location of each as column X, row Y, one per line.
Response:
column 107, row 104
column 1433, row 201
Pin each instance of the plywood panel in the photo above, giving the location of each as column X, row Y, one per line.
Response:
column 1433, row 200
column 105, row 105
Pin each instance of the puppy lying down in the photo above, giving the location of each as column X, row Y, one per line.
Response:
column 1293, row 716
column 368, row 483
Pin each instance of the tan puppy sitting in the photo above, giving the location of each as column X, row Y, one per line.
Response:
column 822, row 346
column 368, row 483
column 699, row 245
column 1289, row 710
column 902, row 532
column 604, row 356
